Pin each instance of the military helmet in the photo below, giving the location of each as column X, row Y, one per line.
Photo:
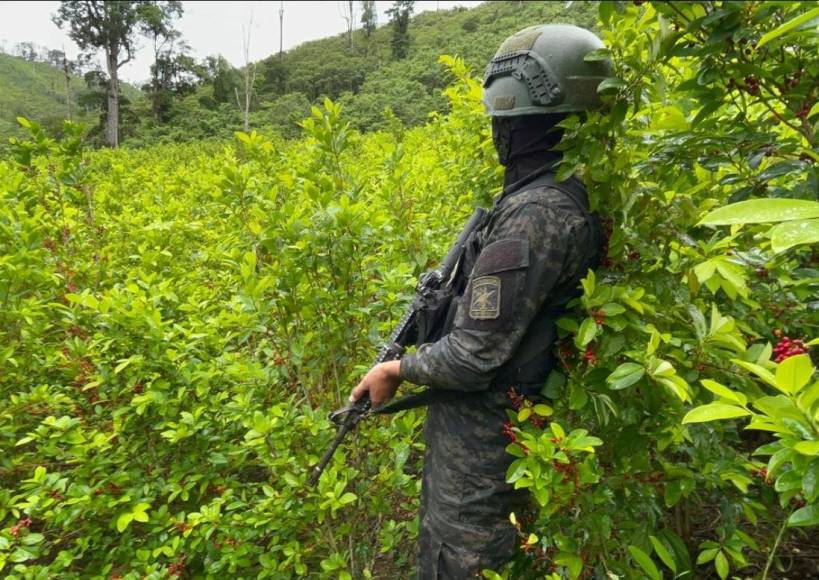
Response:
column 541, row 69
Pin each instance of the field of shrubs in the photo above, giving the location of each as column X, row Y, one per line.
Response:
column 177, row 321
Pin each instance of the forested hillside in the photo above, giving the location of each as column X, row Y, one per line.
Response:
column 178, row 319
column 206, row 99
column 37, row 90
column 367, row 79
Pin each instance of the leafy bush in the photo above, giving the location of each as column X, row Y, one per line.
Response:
column 177, row 321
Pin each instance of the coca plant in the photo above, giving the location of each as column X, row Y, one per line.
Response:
column 177, row 321
column 711, row 122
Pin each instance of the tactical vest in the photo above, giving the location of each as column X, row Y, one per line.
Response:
column 531, row 363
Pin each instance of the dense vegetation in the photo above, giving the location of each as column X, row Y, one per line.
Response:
column 37, row 90
column 365, row 78
column 178, row 319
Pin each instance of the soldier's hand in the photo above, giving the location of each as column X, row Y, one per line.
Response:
column 380, row 382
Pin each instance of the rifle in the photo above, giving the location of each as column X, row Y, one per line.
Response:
column 429, row 285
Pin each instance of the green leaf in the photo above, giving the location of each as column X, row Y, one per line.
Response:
column 806, row 516
column 586, row 334
column 611, row 85
column 141, row 507
column 597, row 55
column 348, row 497
column 33, row 539
column 794, row 372
column 714, row 412
column 759, row 371
column 707, row 555
column 721, row 564
column 787, row 27
column 625, row 375
column 755, row 211
column 699, row 321
column 122, row 365
column 613, row 309
column 645, row 562
column 663, row 553
column 21, row 555
column 807, row 447
column 123, row 521
column 724, row 392
column 779, row 459
column 810, row 481
column 793, row 233
column 543, row 410
column 571, row 561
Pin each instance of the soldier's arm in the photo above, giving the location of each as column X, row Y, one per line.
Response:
column 522, row 261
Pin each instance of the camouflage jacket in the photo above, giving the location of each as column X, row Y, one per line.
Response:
column 529, row 257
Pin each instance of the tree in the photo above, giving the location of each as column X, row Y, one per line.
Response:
column 274, row 76
column 249, row 73
column 281, row 29
column 157, row 24
column 369, row 20
column 59, row 59
column 369, row 17
column 26, row 50
column 55, row 57
column 347, row 9
column 222, row 77
column 112, row 27
column 400, row 13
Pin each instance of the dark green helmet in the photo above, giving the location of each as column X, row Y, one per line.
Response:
column 541, row 69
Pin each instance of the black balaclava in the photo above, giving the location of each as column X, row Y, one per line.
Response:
column 524, row 143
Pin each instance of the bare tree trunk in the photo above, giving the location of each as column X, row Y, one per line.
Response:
column 112, row 122
column 250, row 77
column 67, row 87
column 281, row 29
column 352, row 21
column 348, row 14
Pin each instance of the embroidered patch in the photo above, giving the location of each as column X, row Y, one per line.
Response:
column 486, row 294
column 504, row 102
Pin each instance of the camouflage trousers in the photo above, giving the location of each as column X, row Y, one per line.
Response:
column 465, row 501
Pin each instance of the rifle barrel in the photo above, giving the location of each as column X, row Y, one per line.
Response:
column 328, row 455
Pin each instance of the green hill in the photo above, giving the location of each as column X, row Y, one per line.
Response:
column 363, row 77
column 37, row 90
column 366, row 78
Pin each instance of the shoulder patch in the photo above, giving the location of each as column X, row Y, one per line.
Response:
column 486, row 298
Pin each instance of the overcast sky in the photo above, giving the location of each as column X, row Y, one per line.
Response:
column 208, row 27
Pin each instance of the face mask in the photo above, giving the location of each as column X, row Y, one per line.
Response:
column 502, row 138
column 524, row 135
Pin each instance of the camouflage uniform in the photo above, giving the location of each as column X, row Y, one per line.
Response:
column 522, row 268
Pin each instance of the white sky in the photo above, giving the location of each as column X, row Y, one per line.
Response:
column 208, row 27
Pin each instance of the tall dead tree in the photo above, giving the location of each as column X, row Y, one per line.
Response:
column 348, row 14
column 281, row 29
column 249, row 71
column 67, row 77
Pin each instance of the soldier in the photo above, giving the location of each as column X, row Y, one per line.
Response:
column 519, row 270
